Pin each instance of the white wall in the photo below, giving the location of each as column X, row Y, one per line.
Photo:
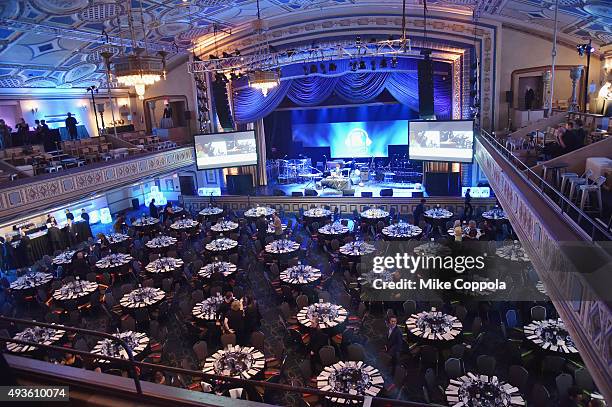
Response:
column 522, row 50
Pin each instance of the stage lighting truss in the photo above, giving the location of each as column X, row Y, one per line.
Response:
column 313, row 55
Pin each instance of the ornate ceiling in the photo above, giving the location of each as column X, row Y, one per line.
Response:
column 56, row 43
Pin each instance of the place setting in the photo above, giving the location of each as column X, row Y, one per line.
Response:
column 328, row 315
column 550, row 335
column 300, row 274
column 115, row 238
column 244, row 362
column 164, row 265
column 434, row 326
column 332, row 230
column 161, row 242
column 31, row 280
column 142, row 297
column 224, row 226
column 184, row 224
column 465, row 232
column 357, row 248
column 495, row 214
column 114, row 260
column 350, row 377
column 258, row 211
column 74, row 290
column 221, row 245
column 438, row 214
column 208, row 310
column 210, row 211
column 223, row 267
column 37, row 334
column 431, row 249
column 374, row 214
column 64, row 257
column 314, row 214
column 145, row 222
column 137, row 342
column 480, row 390
column 282, row 246
column 401, row 231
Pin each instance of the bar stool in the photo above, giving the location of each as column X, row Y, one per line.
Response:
column 555, row 170
column 576, row 182
column 565, row 177
column 587, row 190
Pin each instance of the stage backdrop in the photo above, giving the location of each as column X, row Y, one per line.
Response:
column 352, row 87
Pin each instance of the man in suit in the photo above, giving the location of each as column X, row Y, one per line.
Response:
column 418, row 212
column 394, row 341
column 153, row 209
column 261, row 224
column 72, row 232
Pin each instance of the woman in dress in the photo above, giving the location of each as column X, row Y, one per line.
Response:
column 234, row 322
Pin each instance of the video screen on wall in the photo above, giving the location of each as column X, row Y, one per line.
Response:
column 441, row 140
column 352, row 139
column 221, row 150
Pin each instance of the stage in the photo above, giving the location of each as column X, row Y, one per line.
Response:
column 405, row 190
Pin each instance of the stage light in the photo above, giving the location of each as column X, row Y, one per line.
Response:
column 313, row 68
column 305, row 69
column 393, row 62
column 353, row 66
column 383, row 63
column 332, row 67
column 362, row 64
column 322, row 67
column 358, row 40
column 233, row 76
column 373, row 64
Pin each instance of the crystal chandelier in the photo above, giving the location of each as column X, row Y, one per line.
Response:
column 139, row 69
column 262, row 78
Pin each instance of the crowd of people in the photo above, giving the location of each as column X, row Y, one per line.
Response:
column 40, row 131
column 568, row 138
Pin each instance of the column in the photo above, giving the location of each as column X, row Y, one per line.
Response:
column 260, row 138
column 546, row 81
column 575, row 75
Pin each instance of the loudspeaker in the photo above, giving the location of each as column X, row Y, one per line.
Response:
column 222, row 107
column 386, row 192
column 240, row 184
column 417, row 194
column 188, row 114
column 279, row 192
column 442, row 183
column 426, row 98
column 366, row 194
column 135, row 203
column 297, row 193
column 509, row 97
column 310, row 192
column 348, row 192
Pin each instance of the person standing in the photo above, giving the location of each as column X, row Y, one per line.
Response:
column 73, row 234
column 5, row 135
column 278, row 226
column 153, row 209
column 85, row 218
column 468, row 210
column 44, row 131
column 418, row 212
column 394, row 341
column 23, row 131
column 71, row 126
column 69, row 215
column 261, row 224
column 55, row 235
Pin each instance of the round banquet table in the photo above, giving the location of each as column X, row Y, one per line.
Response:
column 136, row 341
column 208, row 310
column 210, row 212
column 282, row 247
column 38, row 334
column 113, row 261
column 243, row 362
column 401, row 231
column 223, row 267
column 300, row 274
column 221, row 245
column 184, row 224
column 465, row 232
column 550, row 335
column 333, row 230
column 357, row 249
column 255, row 213
column 316, row 214
column 513, row 252
column 438, row 214
column 115, row 238
column 163, row 265
column 31, row 281
column 374, row 215
column 224, row 226
column 432, row 249
column 329, row 315
column 145, row 222
column 350, row 377
column 64, row 258
column 75, row 290
column 474, row 390
column 161, row 243
column 495, row 214
column 434, row 326
column 142, row 297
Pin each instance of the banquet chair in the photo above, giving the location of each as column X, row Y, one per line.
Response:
column 553, row 365
column 128, row 323
column 432, row 391
column 409, row 307
column 396, row 387
column 355, row 352
column 127, row 288
column 486, row 365
column 200, row 348
column 563, row 383
column 228, row 339
column 325, row 296
column 583, row 379
column 197, row 296
column 257, row 340
column 428, row 357
column 518, row 377
column 538, row 313
column 301, row 301
column 327, row 355
column 453, row 368
column 458, row 351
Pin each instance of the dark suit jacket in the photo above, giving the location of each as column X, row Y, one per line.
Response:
column 394, row 341
column 153, row 210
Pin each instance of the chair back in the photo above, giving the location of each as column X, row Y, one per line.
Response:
column 200, row 348
column 453, row 368
column 257, row 340
column 511, row 318
column 228, row 339
column 564, row 381
column 301, row 301
column 355, row 352
column 538, row 313
column 518, row 376
column 327, row 354
column 409, row 307
column 584, row 380
column 486, row 365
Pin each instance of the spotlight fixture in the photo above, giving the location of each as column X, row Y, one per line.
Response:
column 233, row 76
column 358, row 40
column 393, row 62
column 362, row 64
column 584, row 49
column 383, row 63
column 353, row 66
column 332, row 67
column 322, row 67
column 313, row 68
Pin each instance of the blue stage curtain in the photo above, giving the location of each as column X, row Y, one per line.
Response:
column 250, row 105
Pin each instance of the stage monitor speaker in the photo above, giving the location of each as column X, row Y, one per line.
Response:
column 348, row 192
column 222, row 104
column 366, row 194
column 135, row 203
column 442, row 183
column 297, row 193
column 386, row 192
column 240, row 184
column 279, row 192
column 426, row 88
column 310, row 192
column 509, row 97
column 417, row 194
